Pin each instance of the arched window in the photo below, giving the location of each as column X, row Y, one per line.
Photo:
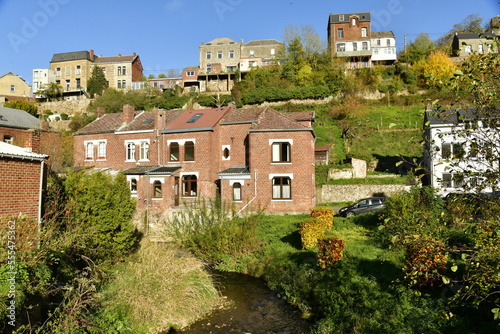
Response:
column 133, row 186
column 174, row 151
column 144, row 150
column 237, row 191
column 189, row 151
column 282, row 188
column 189, row 185
column 157, row 189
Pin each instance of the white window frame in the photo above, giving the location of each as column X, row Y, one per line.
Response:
column 130, row 147
column 101, row 149
column 89, row 150
column 274, row 153
column 144, row 150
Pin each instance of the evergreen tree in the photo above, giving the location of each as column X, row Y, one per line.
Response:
column 97, row 82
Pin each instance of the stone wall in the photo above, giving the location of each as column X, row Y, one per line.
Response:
column 69, row 107
column 352, row 192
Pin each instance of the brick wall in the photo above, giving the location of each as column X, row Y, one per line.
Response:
column 19, row 187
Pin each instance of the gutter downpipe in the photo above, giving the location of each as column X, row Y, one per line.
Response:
column 40, row 199
column 254, row 194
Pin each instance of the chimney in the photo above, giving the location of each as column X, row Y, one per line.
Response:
column 134, row 54
column 119, row 55
column 160, row 119
column 100, row 112
column 128, row 113
column 92, row 55
column 32, row 141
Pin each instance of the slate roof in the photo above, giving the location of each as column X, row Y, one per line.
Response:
column 222, row 41
column 19, row 119
column 67, row 56
column 152, row 170
column 382, row 34
column 263, row 42
column 196, row 120
column 334, row 18
column 235, row 170
column 475, row 36
column 106, row 123
column 450, row 116
column 12, row 151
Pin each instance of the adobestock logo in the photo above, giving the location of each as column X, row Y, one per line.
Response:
column 223, row 6
column 31, row 26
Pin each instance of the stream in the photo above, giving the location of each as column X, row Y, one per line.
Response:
column 250, row 308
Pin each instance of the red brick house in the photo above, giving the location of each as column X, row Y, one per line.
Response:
column 251, row 157
column 22, row 181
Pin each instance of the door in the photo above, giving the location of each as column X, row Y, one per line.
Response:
column 176, row 191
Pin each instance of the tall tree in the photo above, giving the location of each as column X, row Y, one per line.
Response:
column 471, row 24
column 51, row 90
column 97, row 82
column 307, row 36
column 420, row 48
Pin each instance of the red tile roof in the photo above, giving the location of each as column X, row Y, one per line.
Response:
column 195, row 120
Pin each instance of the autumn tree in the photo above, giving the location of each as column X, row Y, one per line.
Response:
column 97, row 82
column 436, row 70
column 29, row 107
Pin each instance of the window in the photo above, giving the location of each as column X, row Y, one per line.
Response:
column 353, row 21
column 340, row 47
column 252, row 53
column 273, row 52
column 231, row 54
column 363, row 32
column 124, row 70
column 12, row 88
column 189, row 185
column 281, row 152
column 468, row 48
column 458, row 150
column 174, row 151
column 144, row 151
column 375, row 51
column 225, row 153
column 194, row 118
column 58, row 72
column 445, row 150
column 481, row 48
column 378, row 42
column 189, row 151
column 209, row 68
column 78, row 83
column 78, row 70
column 68, row 71
column 119, row 84
column 355, row 46
column 101, row 150
column 340, row 33
column 190, row 73
column 365, row 45
column 133, row 186
column 388, row 42
column 282, row 188
column 124, row 83
column 237, row 191
column 89, row 151
column 67, row 84
column 119, row 70
column 157, row 189
column 209, row 55
column 35, row 74
column 446, row 180
column 219, row 54
column 8, row 139
column 341, row 17
column 130, row 152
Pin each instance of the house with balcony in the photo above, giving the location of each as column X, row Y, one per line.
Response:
column 350, row 37
column 460, row 149
column 121, row 70
column 252, row 158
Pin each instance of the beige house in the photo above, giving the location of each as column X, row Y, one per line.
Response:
column 72, row 69
column 13, row 85
column 465, row 44
column 121, row 71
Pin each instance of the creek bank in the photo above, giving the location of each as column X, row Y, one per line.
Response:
column 250, row 307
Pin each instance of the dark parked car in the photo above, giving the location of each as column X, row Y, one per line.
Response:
column 363, row 206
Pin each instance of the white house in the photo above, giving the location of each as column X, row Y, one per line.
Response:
column 459, row 150
column 41, row 77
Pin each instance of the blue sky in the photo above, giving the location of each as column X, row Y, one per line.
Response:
column 167, row 33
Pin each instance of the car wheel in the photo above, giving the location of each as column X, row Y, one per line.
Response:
column 349, row 214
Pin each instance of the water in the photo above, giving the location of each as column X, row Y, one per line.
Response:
column 250, row 308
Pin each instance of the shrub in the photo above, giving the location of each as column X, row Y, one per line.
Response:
column 311, row 230
column 325, row 214
column 425, row 262
column 331, row 250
